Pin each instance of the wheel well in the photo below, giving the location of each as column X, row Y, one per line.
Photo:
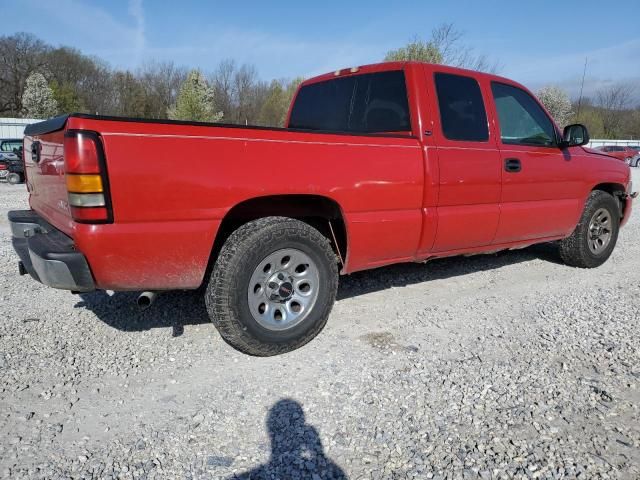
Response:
column 616, row 191
column 320, row 212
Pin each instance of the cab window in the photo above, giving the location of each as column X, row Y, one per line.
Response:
column 462, row 113
column 367, row 103
column 522, row 120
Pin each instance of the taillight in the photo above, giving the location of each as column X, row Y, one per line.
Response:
column 3, row 166
column 86, row 177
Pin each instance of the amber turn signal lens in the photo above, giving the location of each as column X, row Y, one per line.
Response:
column 84, row 183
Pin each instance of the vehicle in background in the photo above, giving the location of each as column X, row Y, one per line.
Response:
column 621, row 152
column 16, row 168
column 379, row 164
column 8, row 152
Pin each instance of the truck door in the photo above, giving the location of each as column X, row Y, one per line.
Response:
column 469, row 164
column 542, row 185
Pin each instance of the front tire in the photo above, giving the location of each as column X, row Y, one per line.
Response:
column 595, row 237
column 272, row 286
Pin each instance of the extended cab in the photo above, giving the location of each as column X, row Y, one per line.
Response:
column 387, row 163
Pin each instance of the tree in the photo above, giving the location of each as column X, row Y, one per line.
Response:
column 80, row 83
column 195, row 100
column 557, row 103
column 66, row 97
column 614, row 103
column 37, row 99
column 161, row 83
column 222, row 81
column 275, row 107
column 239, row 92
column 416, row 50
column 591, row 118
column 444, row 47
column 129, row 95
column 20, row 55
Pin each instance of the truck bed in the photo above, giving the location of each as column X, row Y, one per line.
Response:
column 171, row 184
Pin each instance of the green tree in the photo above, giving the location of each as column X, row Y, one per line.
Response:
column 37, row 99
column 66, row 97
column 591, row 117
column 195, row 100
column 274, row 110
column 271, row 111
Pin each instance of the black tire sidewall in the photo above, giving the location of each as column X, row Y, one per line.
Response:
column 13, row 178
column 226, row 295
column 607, row 202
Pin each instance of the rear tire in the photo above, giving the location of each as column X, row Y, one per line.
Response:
column 272, row 286
column 14, row 178
column 595, row 237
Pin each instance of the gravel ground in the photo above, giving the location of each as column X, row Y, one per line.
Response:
column 501, row 366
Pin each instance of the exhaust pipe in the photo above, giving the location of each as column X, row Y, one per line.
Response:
column 146, row 299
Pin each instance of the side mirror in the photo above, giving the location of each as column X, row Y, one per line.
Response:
column 574, row 135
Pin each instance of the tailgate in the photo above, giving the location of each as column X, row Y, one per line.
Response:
column 44, row 171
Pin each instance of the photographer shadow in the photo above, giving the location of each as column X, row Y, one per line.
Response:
column 296, row 449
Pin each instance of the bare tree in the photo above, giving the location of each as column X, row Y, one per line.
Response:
column 238, row 92
column 614, row 101
column 245, row 88
column 222, row 81
column 20, row 55
column 161, row 83
column 444, row 46
column 449, row 41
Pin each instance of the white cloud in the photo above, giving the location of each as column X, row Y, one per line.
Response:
column 137, row 12
column 274, row 55
column 605, row 66
column 91, row 29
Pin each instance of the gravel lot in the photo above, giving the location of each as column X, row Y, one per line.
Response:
column 501, row 366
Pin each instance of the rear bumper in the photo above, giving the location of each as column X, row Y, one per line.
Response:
column 47, row 254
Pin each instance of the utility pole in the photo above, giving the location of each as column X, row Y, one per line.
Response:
column 584, row 72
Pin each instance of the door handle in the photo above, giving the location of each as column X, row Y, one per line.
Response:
column 512, row 165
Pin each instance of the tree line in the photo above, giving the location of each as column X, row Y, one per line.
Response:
column 38, row 80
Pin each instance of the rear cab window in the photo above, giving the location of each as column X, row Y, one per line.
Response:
column 359, row 104
column 462, row 112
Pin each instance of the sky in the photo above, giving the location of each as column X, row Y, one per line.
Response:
column 534, row 42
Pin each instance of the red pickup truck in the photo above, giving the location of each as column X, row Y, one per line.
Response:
column 387, row 163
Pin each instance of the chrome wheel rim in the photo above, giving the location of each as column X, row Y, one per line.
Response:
column 600, row 231
column 283, row 289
